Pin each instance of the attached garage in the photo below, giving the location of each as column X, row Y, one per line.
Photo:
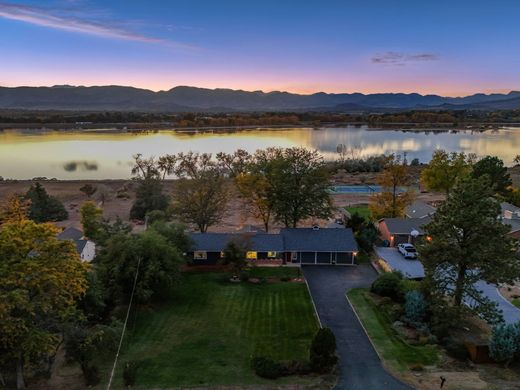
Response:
column 320, row 246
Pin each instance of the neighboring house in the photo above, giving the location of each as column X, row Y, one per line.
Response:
column 401, row 230
column 295, row 245
column 419, row 209
column 511, row 216
column 86, row 248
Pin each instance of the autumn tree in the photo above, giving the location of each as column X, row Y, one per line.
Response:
column 255, row 189
column 496, row 173
column 201, row 194
column 88, row 189
column 91, row 219
column 41, row 279
column 43, row 207
column 445, row 169
column 392, row 199
column 234, row 164
column 468, row 244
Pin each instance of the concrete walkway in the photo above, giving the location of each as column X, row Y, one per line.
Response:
column 359, row 363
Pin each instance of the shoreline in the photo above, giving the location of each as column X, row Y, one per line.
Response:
column 156, row 127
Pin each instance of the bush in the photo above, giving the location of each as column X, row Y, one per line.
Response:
column 456, row 349
column 504, row 345
column 323, row 351
column 91, row 374
column 415, row 307
column 130, row 373
column 285, row 279
column 267, row 368
column 388, row 285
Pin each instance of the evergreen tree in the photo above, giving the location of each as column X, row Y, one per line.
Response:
column 43, row 207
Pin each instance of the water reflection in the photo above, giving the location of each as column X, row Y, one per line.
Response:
column 101, row 155
column 73, row 166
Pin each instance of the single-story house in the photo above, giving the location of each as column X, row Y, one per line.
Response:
column 291, row 245
column 511, row 216
column 401, row 230
column 85, row 247
column 419, row 209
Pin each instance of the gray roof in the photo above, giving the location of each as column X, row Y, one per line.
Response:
column 509, row 207
column 71, row 233
column 514, row 223
column 419, row 209
column 319, row 240
column 405, row 225
column 216, row 242
column 80, row 245
column 312, row 240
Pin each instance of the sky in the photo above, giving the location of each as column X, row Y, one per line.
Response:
column 446, row 47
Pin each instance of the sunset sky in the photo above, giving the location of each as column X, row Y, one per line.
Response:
column 444, row 47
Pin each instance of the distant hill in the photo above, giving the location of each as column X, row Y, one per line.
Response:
column 184, row 99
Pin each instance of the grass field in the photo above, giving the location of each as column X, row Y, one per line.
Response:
column 516, row 302
column 209, row 329
column 361, row 210
column 393, row 350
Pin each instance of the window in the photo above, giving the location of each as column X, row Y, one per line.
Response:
column 294, row 256
column 200, row 255
column 251, row 255
column 271, row 255
column 222, row 254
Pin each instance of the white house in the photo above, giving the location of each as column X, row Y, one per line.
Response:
column 85, row 247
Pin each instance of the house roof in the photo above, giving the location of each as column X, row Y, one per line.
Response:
column 419, row 209
column 319, row 240
column 71, row 233
column 509, row 207
column 80, row 245
column 405, row 225
column 216, row 242
column 295, row 239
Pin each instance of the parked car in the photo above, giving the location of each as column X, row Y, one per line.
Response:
column 407, row 250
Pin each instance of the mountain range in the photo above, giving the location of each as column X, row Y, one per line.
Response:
column 192, row 99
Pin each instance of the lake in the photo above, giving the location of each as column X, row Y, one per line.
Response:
column 25, row 154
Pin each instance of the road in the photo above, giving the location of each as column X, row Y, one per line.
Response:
column 359, row 363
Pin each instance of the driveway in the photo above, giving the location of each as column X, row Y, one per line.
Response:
column 414, row 269
column 359, row 363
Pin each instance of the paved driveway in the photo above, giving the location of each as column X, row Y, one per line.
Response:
column 360, row 366
column 414, row 269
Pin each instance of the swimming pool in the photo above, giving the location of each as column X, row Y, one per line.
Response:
column 358, row 189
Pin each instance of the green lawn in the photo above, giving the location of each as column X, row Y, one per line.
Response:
column 361, row 210
column 209, row 329
column 516, row 302
column 275, row 272
column 394, row 351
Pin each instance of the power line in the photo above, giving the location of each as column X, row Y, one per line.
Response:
column 124, row 325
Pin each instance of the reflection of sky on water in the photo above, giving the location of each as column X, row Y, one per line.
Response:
column 27, row 155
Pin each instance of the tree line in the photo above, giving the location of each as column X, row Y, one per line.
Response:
column 276, row 184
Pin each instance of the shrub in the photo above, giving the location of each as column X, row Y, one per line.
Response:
column 130, row 373
column 323, row 351
column 285, row 278
column 409, row 285
column 415, row 307
column 266, row 367
column 456, row 349
column 91, row 374
column 417, row 367
column 504, row 345
column 388, row 285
